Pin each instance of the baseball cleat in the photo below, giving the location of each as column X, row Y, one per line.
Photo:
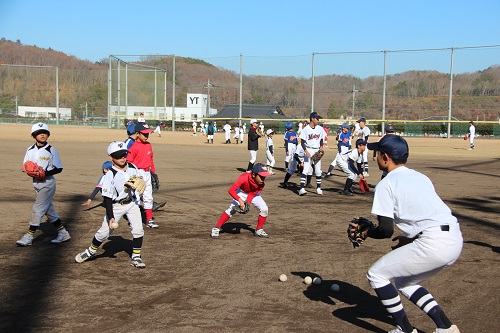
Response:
column 215, row 233
column 85, row 255
column 319, row 191
column 283, row 185
column 137, row 262
column 261, row 233
column 344, row 192
column 309, row 186
column 62, row 236
column 152, row 224
column 158, row 205
column 26, row 240
column 398, row 330
column 302, row 191
column 451, row 329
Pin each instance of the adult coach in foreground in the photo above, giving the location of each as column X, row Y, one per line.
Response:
column 432, row 239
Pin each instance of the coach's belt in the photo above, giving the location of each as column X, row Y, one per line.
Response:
column 123, row 201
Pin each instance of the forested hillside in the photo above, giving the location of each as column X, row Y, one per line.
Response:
column 410, row 95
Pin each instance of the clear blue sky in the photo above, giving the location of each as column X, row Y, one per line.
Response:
column 275, row 37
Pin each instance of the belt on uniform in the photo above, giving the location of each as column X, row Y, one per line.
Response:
column 145, row 169
column 123, row 201
column 444, row 227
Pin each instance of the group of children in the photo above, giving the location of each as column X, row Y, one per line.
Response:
column 132, row 157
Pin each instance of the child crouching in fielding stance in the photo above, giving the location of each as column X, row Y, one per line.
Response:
column 47, row 158
column 118, row 201
column 247, row 188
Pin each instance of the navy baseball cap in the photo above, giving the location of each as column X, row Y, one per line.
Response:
column 361, row 120
column 143, row 128
column 107, row 165
column 315, row 115
column 345, row 125
column 261, row 170
column 393, row 145
column 360, row 142
column 389, row 129
column 131, row 129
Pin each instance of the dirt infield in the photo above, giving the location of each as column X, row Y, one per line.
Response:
column 193, row 283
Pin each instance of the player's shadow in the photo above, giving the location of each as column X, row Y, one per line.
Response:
column 114, row 245
column 235, row 228
column 363, row 304
column 495, row 249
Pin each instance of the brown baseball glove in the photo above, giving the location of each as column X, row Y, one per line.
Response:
column 317, row 155
column 136, row 183
column 33, row 170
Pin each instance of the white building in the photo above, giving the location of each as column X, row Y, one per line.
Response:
column 196, row 108
column 42, row 112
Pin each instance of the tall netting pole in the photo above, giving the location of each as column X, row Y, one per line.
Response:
column 451, row 94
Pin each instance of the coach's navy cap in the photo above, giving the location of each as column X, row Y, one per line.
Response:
column 315, row 115
column 261, row 170
column 389, row 129
column 361, row 120
column 393, row 145
column 143, row 128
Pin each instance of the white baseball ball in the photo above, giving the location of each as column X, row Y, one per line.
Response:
column 308, row 280
column 113, row 225
column 335, row 287
column 283, row 278
column 317, row 280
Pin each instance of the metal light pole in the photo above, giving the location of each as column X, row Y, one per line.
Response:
column 354, row 90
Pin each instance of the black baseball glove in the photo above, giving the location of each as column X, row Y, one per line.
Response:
column 155, row 182
column 356, row 228
column 238, row 209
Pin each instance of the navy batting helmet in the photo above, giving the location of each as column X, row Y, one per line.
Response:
column 288, row 124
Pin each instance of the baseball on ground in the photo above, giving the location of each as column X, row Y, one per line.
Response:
column 283, row 278
column 335, row 287
column 317, row 280
column 308, row 280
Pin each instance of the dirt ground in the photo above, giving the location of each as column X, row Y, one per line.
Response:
column 193, row 283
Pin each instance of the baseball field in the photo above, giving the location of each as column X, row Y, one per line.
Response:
column 193, row 283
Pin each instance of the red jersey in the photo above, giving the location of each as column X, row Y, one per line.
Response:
column 141, row 154
column 247, row 184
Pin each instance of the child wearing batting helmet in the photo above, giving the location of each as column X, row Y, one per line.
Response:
column 246, row 190
column 98, row 188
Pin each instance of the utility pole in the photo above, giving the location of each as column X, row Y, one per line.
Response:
column 354, row 90
column 208, row 86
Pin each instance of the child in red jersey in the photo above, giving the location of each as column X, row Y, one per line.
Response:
column 247, row 188
column 141, row 155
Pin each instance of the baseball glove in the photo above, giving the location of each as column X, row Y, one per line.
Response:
column 317, row 155
column 356, row 228
column 33, row 170
column 465, row 137
column 363, row 185
column 136, row 183
column 238, row 209
column 155, row 182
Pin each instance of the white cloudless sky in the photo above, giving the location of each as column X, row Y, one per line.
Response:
column 274, row 37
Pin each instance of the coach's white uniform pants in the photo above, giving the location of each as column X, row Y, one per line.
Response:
column 309, row 166
column 432, row 251
column 133, row 213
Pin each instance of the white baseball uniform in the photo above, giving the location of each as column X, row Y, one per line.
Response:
column 312, row 137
